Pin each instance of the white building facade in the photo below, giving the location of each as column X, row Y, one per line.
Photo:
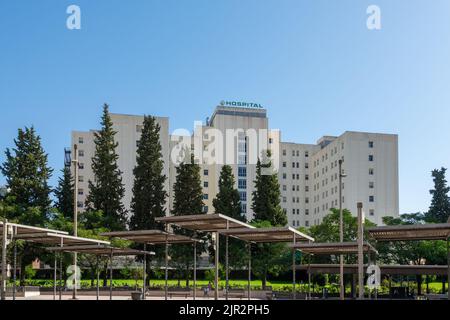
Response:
column 237, row 135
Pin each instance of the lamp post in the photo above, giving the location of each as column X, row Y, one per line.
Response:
column 341, row 234
column 75, row 216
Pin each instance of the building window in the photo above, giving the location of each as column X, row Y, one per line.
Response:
column 81, row 153
column 306, row 223
column 81, row 165
column 284, row 164
column 370, row 144
column 79, row 204
column 205, row 209
column 306, row 200
column 306, row 212
column 205, row 196
column 371, row 184
column 205, row 184
column 306, row 165
column 293, row 153
column 242, row 171
column 284, row 175
column 284, row 199
column 80, row 179
column 306, row 177
column 205, row 172
column 138, row 128
column 306, row 154
column 243, row 208
column 284, row 152
column 243, row 195
column 242, row 184
column 371, row 198
column 371, row 171
column 370, row 157
column 80, row 192
column 80, row 140
column 270, row 140
column 284, row 187
column 371, row 212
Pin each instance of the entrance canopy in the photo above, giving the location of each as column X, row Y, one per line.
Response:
column 48, row 238
column 150, row 237
column 204, row 222
column 101, row 250
column 431, row 231
column 332, row 248
column 385, row 269
column 261, row 235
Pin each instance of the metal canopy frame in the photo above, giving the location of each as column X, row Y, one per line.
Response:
column 37, row 235
column 207, row 223
column 385, row 269
column 333, row 248
column 102, row 250
column 158, row 237
column 268, row 235
column 430, row 231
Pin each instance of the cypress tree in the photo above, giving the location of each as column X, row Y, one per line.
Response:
column 188, row 200
column 266, row 196
column 107, row 190
column 27, row 175
column 149, row 196
column 64, row 194
column 439, row 211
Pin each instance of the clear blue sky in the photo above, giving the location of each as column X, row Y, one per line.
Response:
column 312, row 63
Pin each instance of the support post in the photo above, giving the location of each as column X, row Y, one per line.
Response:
column 309, row 276
column 341, row 236
column 360, row 251
column 15, row 267
column 294, row 293
column 75, row 217
column 110, row 274
column 166, row 274
column 226, row 265
column 195, row 271
column 448, row 269
column 55, row 267
column 4, row 247
column 61, row 255
column 98, row 279
column 249, row 270
column 216, row 266
column 145, row 272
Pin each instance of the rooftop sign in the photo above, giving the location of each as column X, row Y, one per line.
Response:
column 240, row 104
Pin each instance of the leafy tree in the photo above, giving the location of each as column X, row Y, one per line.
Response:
column 268, row 258
column 228, row 202
column 107, row 190
column 64, row 194
column 266, row 196
column 188, row 200
column 149, row 195
column 27, row 175
column 439, row 211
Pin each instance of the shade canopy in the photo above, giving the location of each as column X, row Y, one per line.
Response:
column 48, row 238
column 332, row 248
column 266, row 235
column 204, row 222
column 101, row 250
column 385, row 269
column 19, row 229
column 431, row 231
column 150, row 236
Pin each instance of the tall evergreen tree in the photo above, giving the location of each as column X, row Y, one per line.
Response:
column 64, row 194
column 107, row 190
column 228, row 202
column 188, row 200
column 266, row 196
column 149, row 195
column 27, row 175
column 439, row 211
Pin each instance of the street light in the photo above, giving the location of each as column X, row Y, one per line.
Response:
column 341, row 233
column 75, row 216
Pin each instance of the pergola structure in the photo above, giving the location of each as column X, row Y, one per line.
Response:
column 267, row 235
column 208, row 223
column 331, row 248
column 13, row 232
column 438, row 231
column 102, row 250
column 158, row 237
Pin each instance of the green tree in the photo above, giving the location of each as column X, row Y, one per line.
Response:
column 188, row 200
column 64, row 194
column 27, row 175
column 107, row 190
column 439, row 211
column 227, row 202
column 149, row 195
column 266, row 196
